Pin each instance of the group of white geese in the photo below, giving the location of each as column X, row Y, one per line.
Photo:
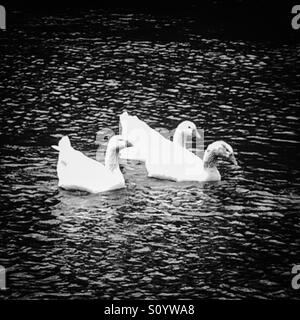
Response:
column 163, row 158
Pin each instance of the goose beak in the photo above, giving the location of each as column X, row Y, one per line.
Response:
column 232, row 159
column 128, row 144
column 197, row 134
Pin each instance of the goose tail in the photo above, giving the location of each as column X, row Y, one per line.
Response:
column 130, row 124
column 124, row 118
column 63, row 144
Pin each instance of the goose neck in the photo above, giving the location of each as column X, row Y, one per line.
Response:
column 112, row 158
column 180, row 138
column 209, row 159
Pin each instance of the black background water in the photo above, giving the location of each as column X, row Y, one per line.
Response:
column 73, row 73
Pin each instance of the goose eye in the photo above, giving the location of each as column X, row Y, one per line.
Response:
column 227, row 151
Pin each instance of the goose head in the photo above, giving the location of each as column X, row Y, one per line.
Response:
column 219, row 149
column 118, row 142
column 115, row 144
column 188, row 128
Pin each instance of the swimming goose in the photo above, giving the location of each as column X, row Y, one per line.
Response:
column 179, row 164
column 78, row 172
column 147, row 140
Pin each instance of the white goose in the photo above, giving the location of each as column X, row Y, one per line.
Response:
column 147, row 140
column 179, row 164
column 78, row 172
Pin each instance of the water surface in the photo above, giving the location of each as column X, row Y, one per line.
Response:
column 74, row 74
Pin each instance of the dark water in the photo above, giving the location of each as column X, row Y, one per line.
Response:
column 74, row 75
